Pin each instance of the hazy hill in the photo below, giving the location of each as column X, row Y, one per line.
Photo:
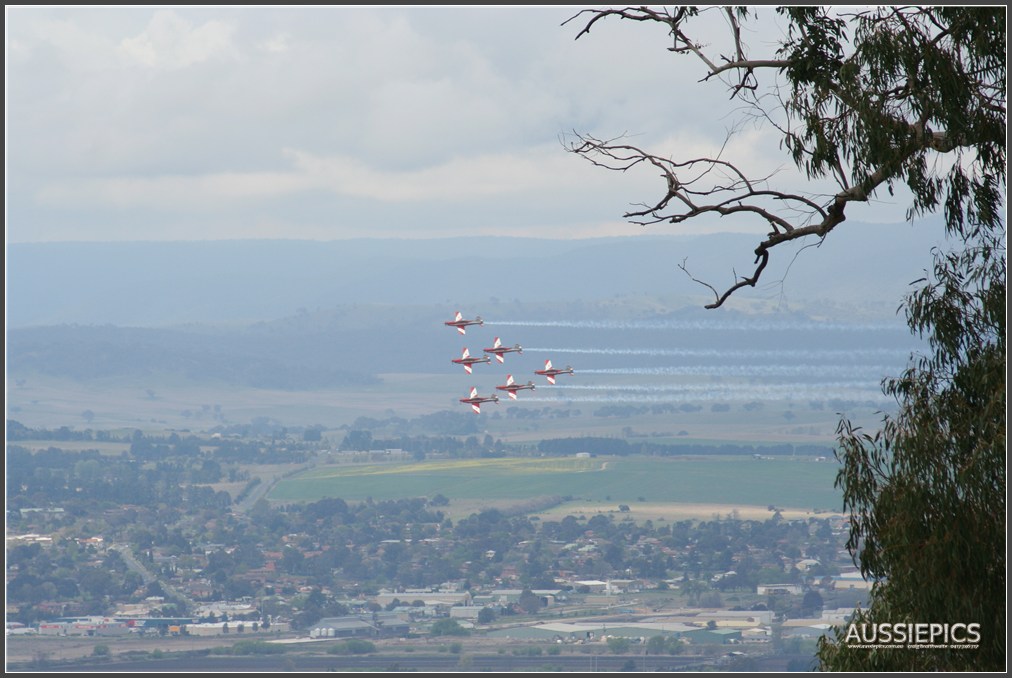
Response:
column 302, row 315
column 861, row 270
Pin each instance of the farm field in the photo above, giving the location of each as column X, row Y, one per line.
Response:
column 649, row 486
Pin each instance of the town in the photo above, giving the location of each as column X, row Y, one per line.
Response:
column 141, row 544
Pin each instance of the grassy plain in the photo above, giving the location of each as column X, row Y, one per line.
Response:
column 671, row 486
column 126, row 404
column 649, row 486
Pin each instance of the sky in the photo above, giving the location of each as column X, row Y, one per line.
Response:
column 322, row 123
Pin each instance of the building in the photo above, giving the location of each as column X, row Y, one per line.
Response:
column 229, row 628
column 85, row 626
column 469, row 612
column 707, row 636
column 437, row 598
column 851, row 580
column 378, row 624
column 778, row 589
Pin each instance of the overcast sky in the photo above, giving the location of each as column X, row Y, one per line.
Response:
column 184, row 123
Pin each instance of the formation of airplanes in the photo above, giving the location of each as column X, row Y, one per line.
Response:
column 499, row 350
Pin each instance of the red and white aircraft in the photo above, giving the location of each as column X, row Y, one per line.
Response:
column 551, row 372
column 460, row 322
column 475, row 400
column 511, row 387
column 466, row 360
column 499, row 350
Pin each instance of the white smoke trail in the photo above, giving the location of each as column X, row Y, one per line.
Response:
column 737, row 392
column 703, row 388
column 717, row 325
column 872, row 371
column 815, row 355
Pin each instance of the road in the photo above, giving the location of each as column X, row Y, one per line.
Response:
column 147, row 575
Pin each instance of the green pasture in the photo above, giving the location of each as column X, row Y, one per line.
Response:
column 787, row 483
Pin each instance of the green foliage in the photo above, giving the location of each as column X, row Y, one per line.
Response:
column 927, row 492
column 256, row 647
column 619, row 645
column 448, row 627
column 529, row 651
column 664, row 645
column 352, row 646
column 529, row 602
column 915, row 82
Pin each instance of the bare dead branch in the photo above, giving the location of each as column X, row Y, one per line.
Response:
column 696, row 280
column 740, row 196
column 827, row 114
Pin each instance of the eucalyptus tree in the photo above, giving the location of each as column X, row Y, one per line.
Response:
column 871, row 100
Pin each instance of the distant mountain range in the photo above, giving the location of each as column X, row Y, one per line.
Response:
column 302, row 315
column 860, row 270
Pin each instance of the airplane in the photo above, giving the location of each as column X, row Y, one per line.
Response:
column 499, row 350
column 466, row 360
column 511, row 388
column 476, row 400
column 550, row 372
column 460, row 323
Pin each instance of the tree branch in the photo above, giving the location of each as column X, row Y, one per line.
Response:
column 840, row 121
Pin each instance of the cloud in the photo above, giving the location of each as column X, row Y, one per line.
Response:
column 458, row 180
column 364, row 116
column 170, row 42
column 277, row 43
